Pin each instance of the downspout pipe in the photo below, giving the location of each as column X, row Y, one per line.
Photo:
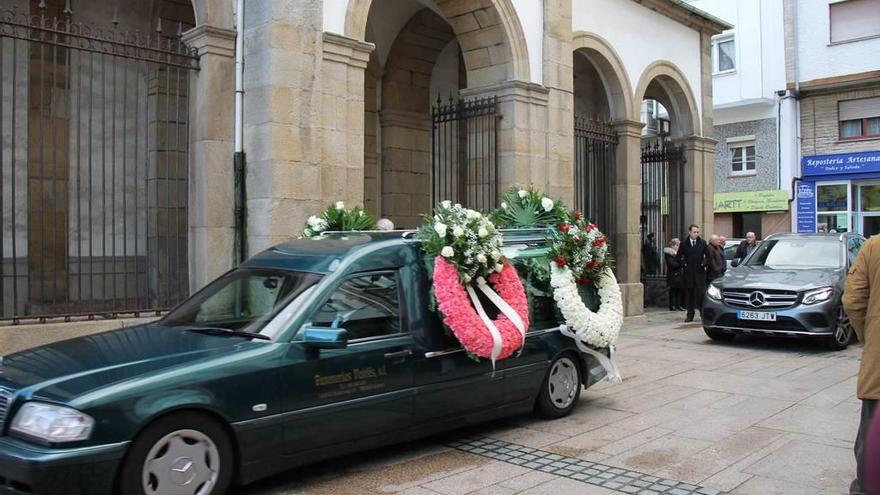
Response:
column 239, row 244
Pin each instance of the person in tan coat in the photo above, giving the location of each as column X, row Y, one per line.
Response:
column 861, row 300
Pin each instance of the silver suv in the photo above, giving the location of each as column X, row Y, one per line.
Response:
column 791, row 285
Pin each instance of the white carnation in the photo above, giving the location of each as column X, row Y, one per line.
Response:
column 523, row 193
column 316, row 222
column 483, row 232
column 499, row 267
column 340, row 205
column 440, row 228
column 458, row 231
column 504, row 205
column 547, row 204
column 446, row 204
column 447, row 252
column 481, row 258
column 496, row 255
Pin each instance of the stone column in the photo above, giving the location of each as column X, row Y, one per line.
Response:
column 558, row 78
column 699, row 182
column 522, row 132
column 627, row 193
column 211, row 227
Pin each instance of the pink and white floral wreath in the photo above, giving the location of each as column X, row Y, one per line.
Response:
column 465, row 316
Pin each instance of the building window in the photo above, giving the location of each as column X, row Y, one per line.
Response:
column 859, row 119
column 854, row 20
column 832, row 205
column 742, row 155
column 724, row 55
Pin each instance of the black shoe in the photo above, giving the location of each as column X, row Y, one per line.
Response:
column 689, row 319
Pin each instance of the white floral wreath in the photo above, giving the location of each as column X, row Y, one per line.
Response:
column 599, row 329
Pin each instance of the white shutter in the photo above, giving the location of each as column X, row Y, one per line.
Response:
column 864, row 108
column 854, row 19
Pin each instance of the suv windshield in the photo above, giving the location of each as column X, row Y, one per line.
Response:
column 244, row 299
column 797, row 253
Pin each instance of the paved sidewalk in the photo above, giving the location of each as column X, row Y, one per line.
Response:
column 756, row 416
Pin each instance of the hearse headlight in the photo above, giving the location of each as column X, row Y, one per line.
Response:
column 714, row 292
column 818, row 295
column 52, row 423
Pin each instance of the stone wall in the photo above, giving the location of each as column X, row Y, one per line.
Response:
column 766, row 166
column 820, row 124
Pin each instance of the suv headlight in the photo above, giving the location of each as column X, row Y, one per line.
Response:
column 714, row 292
column 52, row 423
column 818, row 295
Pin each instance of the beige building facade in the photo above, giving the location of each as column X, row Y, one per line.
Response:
column 397, row 104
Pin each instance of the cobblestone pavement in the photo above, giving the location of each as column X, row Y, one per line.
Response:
column 755, row 416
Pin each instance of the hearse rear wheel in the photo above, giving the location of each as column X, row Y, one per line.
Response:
column 843, row 332
column 561, row 388
column 181, row 454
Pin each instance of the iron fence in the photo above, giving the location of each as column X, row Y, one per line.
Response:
column 662, row 201
column 594, row 158
column 464, row 148
column 93, row 167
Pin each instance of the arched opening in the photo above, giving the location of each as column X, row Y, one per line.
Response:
column 94, row 156
column 670, row 116
column 422, row 142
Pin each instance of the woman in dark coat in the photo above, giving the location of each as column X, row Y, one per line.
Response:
column 674, row 275
column 693, row 255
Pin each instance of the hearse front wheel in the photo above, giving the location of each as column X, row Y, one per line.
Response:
column 561, row 388
column 180, row 454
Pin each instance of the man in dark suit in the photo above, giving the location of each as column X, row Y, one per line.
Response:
column 694, row 255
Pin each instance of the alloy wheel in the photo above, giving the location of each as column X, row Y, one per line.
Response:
column 183, row 462
column 563, row 383
column 843, row 330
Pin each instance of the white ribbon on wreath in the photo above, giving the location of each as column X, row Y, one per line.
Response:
column 502, row 306
column 599, row 329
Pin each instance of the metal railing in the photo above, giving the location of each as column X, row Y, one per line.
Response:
column 662, row 199
column 93, row 167
column 464, row 149
column 595, row 143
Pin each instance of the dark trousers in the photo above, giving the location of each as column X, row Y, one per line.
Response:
column 869, row 407
column 694, row 298
column 675, row 298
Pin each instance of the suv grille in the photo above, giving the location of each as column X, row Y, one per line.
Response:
column 5, row 395
column 760, row 298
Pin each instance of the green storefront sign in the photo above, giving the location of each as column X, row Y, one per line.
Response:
column 776, row 200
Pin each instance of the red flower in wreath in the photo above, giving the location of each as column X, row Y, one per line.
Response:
column 600, row 242
column 591, row 227
column 565, row 227
column 560, row 261
column 461, row 317
column 591, row 264
column 583, row 281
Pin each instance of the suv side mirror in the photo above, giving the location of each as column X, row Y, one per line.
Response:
column 325, row 338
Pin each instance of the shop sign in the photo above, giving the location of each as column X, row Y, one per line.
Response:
column 776, row 200
column 805, row 199
column 843, row 163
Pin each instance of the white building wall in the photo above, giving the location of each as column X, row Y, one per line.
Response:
column 817, row 57
column 641, row 37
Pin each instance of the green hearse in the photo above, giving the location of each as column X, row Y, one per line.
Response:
column 311, row 349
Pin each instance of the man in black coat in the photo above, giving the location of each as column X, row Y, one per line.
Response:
column 694, row 256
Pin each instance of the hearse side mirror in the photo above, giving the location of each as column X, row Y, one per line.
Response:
column 734, row 263
column 325, row 338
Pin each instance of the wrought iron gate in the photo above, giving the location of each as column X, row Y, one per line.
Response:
column 93, row 167
column 662, row 198
column 594, row 155
column 464, row 148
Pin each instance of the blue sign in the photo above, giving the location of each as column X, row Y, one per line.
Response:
column 806, row 206
column 844, row 163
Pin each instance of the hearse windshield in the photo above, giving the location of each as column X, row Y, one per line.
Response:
column 798, row 253
column 242, row 301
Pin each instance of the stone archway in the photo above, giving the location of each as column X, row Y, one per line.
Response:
column 491, row 37
column 610, row 69
column 666, row 83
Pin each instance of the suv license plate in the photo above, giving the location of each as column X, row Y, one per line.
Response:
column 756, row 315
